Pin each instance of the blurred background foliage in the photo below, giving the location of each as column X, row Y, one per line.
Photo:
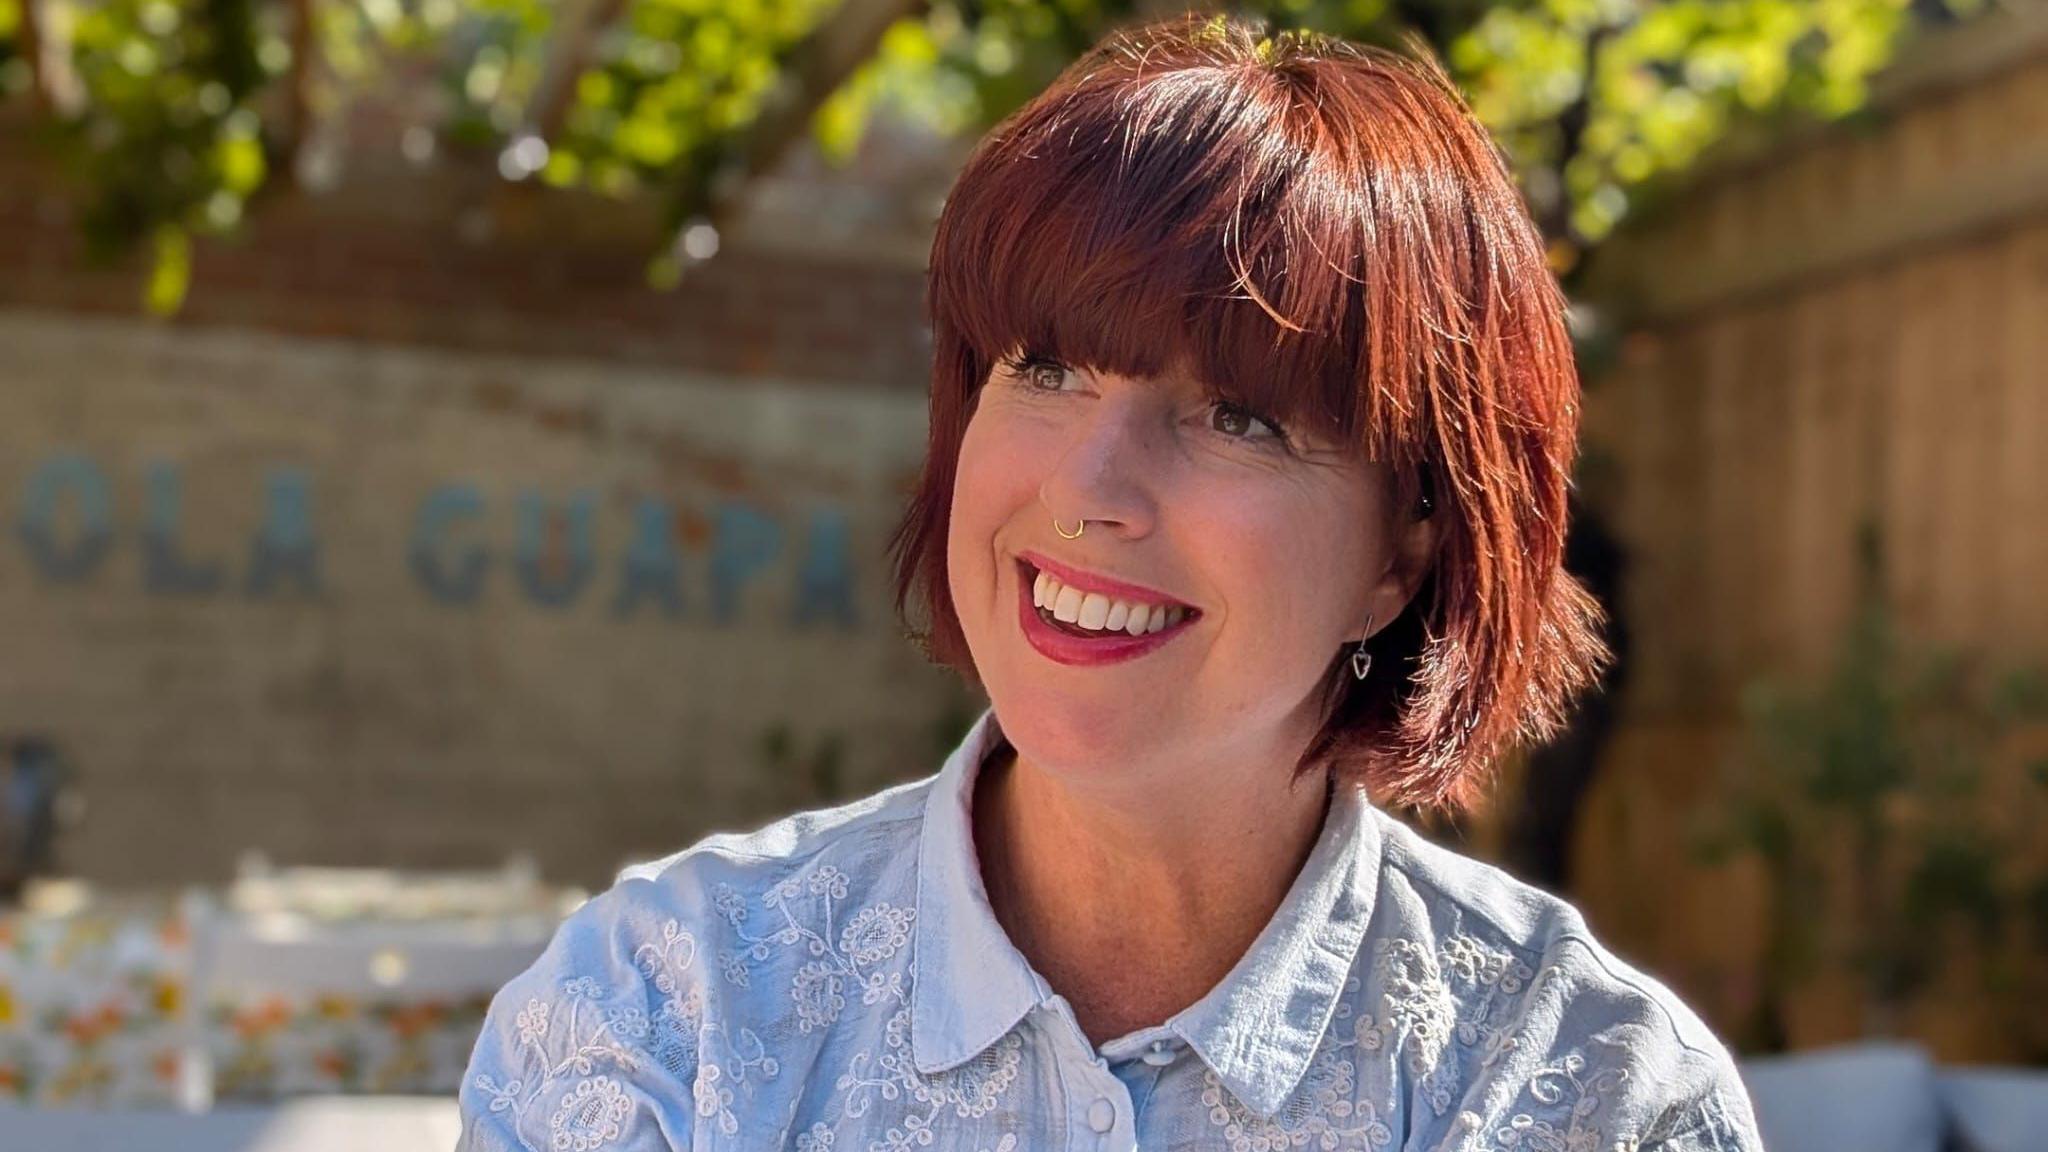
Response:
column 1875, row 796
column 175, row 115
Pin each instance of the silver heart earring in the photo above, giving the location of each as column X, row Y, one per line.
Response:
column 1361, row 660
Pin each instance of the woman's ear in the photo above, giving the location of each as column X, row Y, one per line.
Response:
column 1417, row 553
column 1415, row 538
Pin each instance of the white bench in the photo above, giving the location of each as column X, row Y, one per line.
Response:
column 1892, row 1098
column 312, row 1124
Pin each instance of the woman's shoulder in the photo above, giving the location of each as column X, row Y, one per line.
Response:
column 1518, row 1020
column 859, row 851
column 1486, row 921
column 855, row 852
column 645, row 1013
column 878, row 823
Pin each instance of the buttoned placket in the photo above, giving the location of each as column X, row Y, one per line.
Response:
column 1139, row 1060
column 1100, row 1115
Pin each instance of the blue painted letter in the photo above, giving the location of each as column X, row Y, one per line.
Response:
column 555, row 553
column 450, row 575
column 285, row 547
column 80, row 479
column 744, row 542
column 652, row 567
column 824, row 585
column 165, row 569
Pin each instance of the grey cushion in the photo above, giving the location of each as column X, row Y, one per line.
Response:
column 1995, row 1109
column 1866, row 1097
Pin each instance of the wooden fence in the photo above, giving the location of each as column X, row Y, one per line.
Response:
column 1851, row 326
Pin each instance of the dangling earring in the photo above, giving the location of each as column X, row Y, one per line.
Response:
column 1361, row 660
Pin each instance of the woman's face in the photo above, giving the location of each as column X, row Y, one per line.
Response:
column 1278, row 548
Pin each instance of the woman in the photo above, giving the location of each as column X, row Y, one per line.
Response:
column 1251, row 417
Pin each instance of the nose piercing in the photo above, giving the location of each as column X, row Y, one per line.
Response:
column 1063, row 532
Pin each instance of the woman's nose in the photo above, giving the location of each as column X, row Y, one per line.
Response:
column 1105, row 470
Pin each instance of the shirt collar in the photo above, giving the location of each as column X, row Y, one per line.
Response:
column 1258, row 1029
column 970, row 985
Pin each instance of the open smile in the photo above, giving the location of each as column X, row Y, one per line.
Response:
column 1085, row 620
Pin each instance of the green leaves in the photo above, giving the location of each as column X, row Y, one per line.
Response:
column 1594, row 101
column 907, row 79
column 164, row 141
column 1659, row 84
column 669, row 90
column 15, row 74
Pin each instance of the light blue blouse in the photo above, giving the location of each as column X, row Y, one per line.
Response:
column 838, row 981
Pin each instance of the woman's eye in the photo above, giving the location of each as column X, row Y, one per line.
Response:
column 1043, row 375
column 1237, row 420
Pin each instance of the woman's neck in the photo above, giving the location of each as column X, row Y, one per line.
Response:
column 1133, row 911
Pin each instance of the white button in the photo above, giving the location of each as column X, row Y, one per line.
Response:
column 1159, row 1055
column 1102, row 1115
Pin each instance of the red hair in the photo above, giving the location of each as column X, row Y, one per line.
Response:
column 1323, row 232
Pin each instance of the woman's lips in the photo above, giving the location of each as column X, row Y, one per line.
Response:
column 1084, row 651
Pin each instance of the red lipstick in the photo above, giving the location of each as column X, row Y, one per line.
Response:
column 1080, row 651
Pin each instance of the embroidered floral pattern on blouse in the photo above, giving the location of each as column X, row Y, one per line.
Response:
column 1420, row 1012
column 592, row 1113
column 677, row 1029
column 871, row 937
column 1458, row 995
column 876, row 933
column 970, row 1091
column 1419, row 1001
column 589, row 1117
column 1566, row 1083
column 857, row 959
column 1321, row 1114
column 672, row 1035
column 555, row 1043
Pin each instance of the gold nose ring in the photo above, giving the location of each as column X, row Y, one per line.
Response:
column 1063, row 532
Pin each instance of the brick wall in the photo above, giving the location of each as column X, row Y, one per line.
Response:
column 453, row 257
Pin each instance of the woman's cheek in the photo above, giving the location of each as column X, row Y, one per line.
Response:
column 987, row 490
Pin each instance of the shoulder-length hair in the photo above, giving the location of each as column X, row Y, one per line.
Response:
column 1322, row 231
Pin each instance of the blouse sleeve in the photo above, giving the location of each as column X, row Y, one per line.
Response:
column 1714, row 1115
column 595, row 1045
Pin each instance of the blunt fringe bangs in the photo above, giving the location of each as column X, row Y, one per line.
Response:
column 1321, row 231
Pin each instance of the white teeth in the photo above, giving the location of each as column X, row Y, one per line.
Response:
column 1094, row 610
column 1099, row 613
column 1067, row 608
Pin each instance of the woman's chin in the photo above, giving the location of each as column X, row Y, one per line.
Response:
column 1087, row 732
